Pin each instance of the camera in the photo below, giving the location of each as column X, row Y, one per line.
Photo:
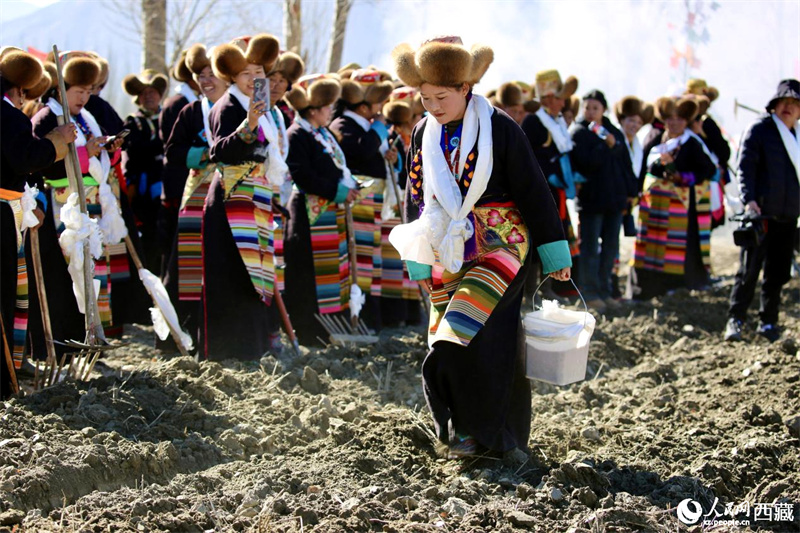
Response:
column 750, row 232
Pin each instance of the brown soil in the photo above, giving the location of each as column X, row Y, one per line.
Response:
column 340, row 440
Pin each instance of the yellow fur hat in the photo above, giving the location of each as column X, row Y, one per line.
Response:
column 548, row 82
column 698, row 86
column 442, row 61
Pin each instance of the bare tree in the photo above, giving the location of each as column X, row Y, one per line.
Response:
column 292, row 25
column 184, row 19
column 337, row 37
column 154, row 36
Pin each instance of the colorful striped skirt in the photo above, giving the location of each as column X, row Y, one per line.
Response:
column 663, row 225
column 462, row 302
column 395, row 282
column 190, row 242
column 367, row 229
column 331, row 263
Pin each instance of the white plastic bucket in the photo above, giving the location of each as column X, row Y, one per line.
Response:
column 557, row 343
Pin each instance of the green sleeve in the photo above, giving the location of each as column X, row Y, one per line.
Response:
column 555, row 256
column 195, row 159
column 341, row 193
column 418, row 271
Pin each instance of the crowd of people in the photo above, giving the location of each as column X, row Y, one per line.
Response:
column 241, row 202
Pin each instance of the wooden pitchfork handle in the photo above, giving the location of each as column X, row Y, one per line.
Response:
column 44, row 305
column 12, row 373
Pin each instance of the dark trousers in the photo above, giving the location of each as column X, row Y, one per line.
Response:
column 774, row 254
column 597, row 259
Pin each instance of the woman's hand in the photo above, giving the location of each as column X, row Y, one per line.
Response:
column 68, row 131
column 562, row 275
column 611, row 141
column 666, row 158
column 94, row 146
column 352, row 196
column 391, row 155
column 116, row 145
column 257, row 108
column 426, row 285
column 40, row 216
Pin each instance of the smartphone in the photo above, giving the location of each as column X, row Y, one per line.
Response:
column 121, row 135
column 261, row 90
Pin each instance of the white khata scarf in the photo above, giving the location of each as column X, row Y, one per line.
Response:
column 637, row 155
column 276, row 165
column 558, row 130
column 790, row 142
column 443, row 225
column 205, row 107
column 187, row 92
column 111, row 222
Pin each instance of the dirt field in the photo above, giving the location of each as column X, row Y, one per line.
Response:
column 339, row 439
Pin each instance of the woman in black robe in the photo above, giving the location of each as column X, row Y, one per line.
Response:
column 479, row 203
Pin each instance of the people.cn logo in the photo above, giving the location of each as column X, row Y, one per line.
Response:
column 689, row 511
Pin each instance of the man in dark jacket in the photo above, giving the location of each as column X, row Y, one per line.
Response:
column 769, row 177
column 601, row 157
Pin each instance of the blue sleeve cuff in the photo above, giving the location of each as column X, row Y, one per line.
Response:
column 418, row 271
column 42, row 199
column 555, row 256
column 380, row 128
column 194, row 159
column 341, row 194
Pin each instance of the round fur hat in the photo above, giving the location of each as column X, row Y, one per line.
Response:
column 410, row 96
column 367, row 86
column 700, row 87
column 19, row 68
column 81, row 71
column 664, row 108
column 228, row 60
column 180, row 71
column 687, row 108
column 509, row 94
column 290, row 65
column 531, row 106
column 197, row 59
column 397, row 112
column 628, row 107
column 548, row 82
column 573, row 103
column 104, row 68
column 43, row 86
column 314, row 91
column 134, row 85
column 346, row 71
column 648, row 113
column 442, row 61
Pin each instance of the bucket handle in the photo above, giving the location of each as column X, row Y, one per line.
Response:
column 586, row 307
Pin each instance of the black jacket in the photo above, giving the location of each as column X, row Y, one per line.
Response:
column 545, row 150
column 361, row 148
column 313, row 171
column 766, row 174
column 105, row 115
column 227, row 147
column 184, row 135
column 609, row 177
column 690, row 158
column 718, row 145
column 20, row 152
column 516, row 177
column 145, row 151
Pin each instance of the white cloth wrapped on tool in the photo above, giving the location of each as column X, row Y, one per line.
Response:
column 163, row 315
column 28, row 203
column 79, row 228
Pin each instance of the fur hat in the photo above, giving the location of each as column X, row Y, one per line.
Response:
column 228, row 60
column 664, row 108
column 290, row 65
column 345, row 72
column 179, row 70
column 687, row 108
column 442, row 61
column 573, row 104
column 410, row 96
column 314, row 91
column 509, row 94
column 531, row 106
column 44, row 85
column 548, row 82
column 366, row 85
column 104, row 68
column 197, row 59
column 698, row 86
column 397, row 112
column 81, row 71
column 630, row 106
column 19, row 68
column 134, row 85
column 703, row 103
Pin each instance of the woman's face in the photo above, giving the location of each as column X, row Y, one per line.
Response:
column 569, row 116
column 788, row 109
column 631, row 125
column 446, row 104
column 516, row 112
column 553, row 104
column 244, row 80
column 278, row 85
column 77, row 96
column 150, row 99
column 321, row 117
column 593, row 110
column 676, row 126
column 17, row 97
column 213, row 87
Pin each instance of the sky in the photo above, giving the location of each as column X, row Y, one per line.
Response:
column 621, row 47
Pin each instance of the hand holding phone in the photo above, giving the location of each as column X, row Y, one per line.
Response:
column 261, row 90
column 112, row 139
